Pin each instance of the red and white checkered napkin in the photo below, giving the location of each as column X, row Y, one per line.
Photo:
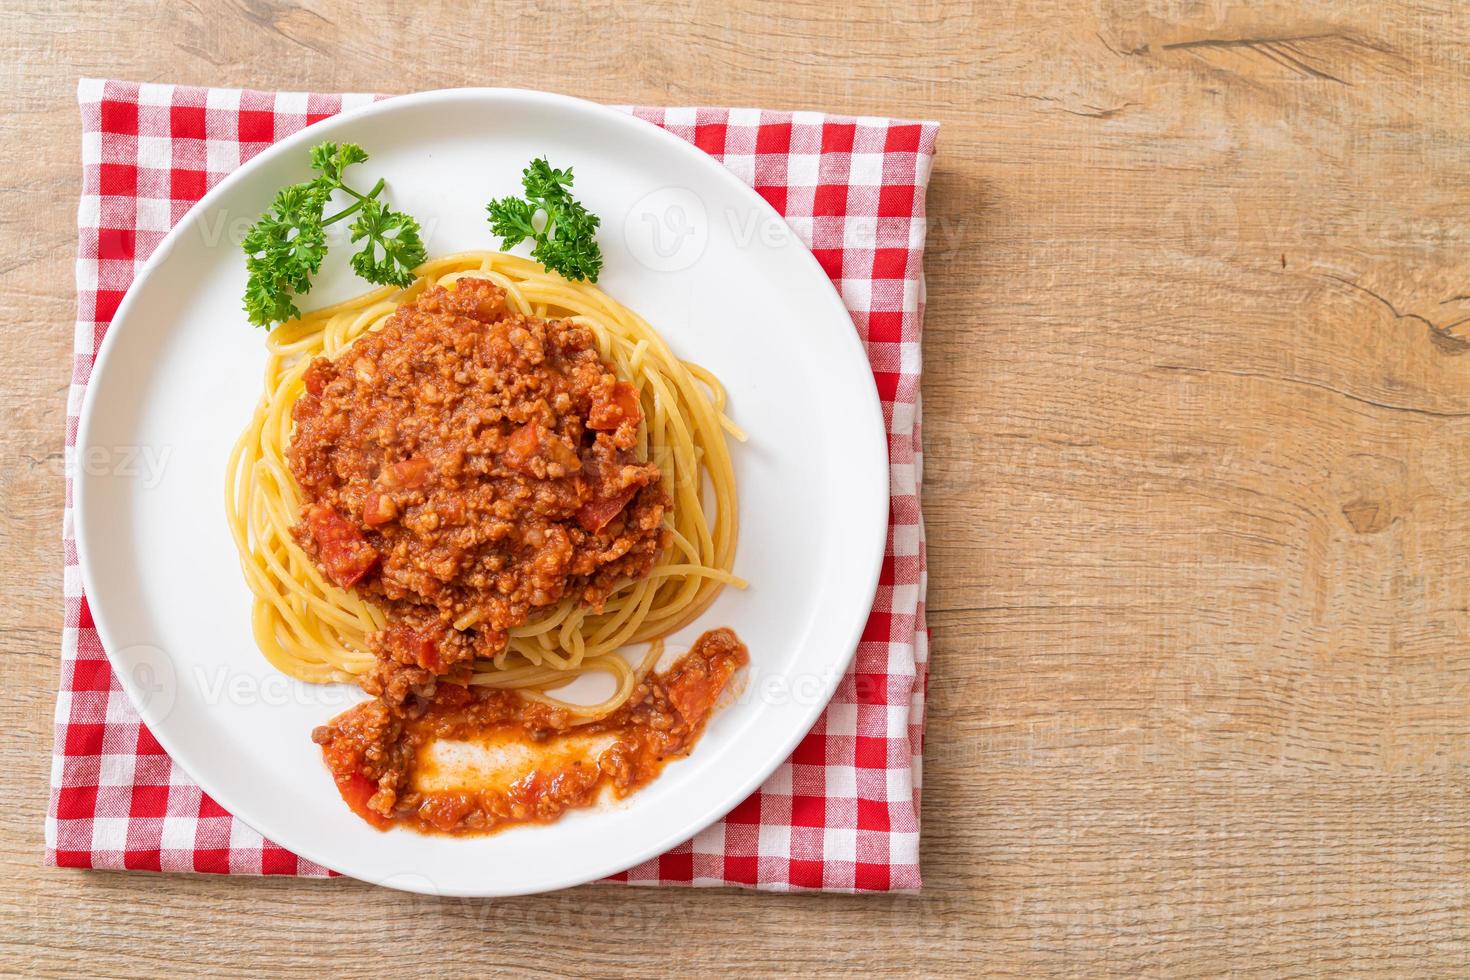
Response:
column 842, row 813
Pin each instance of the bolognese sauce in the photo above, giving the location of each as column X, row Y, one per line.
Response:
column 388, row 765
column 465, row 466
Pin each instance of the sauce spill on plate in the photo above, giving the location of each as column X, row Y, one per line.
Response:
column 478, row 759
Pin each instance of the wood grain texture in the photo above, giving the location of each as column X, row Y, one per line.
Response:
column 1198, row 447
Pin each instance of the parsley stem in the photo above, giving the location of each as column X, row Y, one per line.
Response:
column 357, row 204
column 377, row 189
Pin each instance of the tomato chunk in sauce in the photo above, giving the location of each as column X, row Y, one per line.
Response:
column 615, row 407
column 345, row 554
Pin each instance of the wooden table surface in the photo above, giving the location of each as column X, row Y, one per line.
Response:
column 1197, row 405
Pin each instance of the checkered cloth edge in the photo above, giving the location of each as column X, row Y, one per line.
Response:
column 842, row 813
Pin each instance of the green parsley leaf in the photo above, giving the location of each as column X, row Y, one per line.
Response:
column 567, row 239
column 285, row 248
column 395, row 235
column 331, row 159
column 512, row 219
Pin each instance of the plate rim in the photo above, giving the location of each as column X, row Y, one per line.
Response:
column 877, row 522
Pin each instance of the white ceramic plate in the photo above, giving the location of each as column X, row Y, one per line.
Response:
column 689, row 246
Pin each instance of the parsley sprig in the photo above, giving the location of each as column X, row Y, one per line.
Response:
column 566, row 240
column 285, row 248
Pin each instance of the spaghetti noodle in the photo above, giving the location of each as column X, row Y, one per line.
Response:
column 313, row 630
